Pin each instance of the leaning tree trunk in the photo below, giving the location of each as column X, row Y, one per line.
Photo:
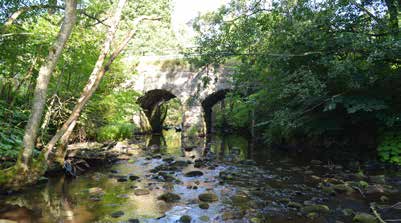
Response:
column 62, row 135
column 25, row 172
column 90, row 86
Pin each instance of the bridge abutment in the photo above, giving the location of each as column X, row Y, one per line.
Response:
column 193, row 124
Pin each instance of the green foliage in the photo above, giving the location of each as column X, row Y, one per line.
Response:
column 325, row 70
column 390, row 147
column 174, row 113
column 25, row 44
column 117, row 131
column 11, row 131
column 111, row 115
column 236, row 114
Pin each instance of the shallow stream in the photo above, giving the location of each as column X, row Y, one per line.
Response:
column 252, row 184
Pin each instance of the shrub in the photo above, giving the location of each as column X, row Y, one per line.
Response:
column 117, row 131
column 390, row 147
column 11, row 131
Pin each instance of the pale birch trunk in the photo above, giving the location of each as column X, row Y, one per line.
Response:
column 93, row 80
column 27, row 172
column 65, row 131
column 42, row 82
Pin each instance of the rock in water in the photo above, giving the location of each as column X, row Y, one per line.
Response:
column 240, row 200
column 208, row 197
column 185, row 219
column 117, row 214
column 169, row 197
column 319, row 208
column 204, row 205
column 293, row 204
column 122, row 179
column 343, row 188
column 133, row 177
column 139, row 192
column 95, row 190
column 364, row 218
column 195, row 173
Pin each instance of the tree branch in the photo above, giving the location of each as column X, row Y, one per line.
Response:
column 359, row 6
column 26, row 9
column 128, row 37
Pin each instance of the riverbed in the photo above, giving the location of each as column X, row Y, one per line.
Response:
column 229, row 179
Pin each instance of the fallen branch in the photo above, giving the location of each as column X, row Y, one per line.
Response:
column 360, row 191
column 377, row 215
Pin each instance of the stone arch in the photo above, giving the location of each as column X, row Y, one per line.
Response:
column 151, row 103
column 208, row 103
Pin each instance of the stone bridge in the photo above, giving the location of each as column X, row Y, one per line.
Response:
column 160, row 79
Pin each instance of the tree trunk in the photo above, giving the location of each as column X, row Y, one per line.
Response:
column 26, row 171
column 94, row 80
column 63, row 134
column 43, row 79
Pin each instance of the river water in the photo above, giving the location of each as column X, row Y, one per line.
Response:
column 252, row 184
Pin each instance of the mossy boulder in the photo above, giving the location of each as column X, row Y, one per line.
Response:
column 293, row 204
column 117, row 214
column 203, row 205
column 256, row 220
column 240, row 200
column 343, row 188
column 140, row 192
column 169, row 197
column 208, row 197
column 364, row 218
column 312, row 215
column 318, row 208
column 185, row 219
column 17, row 177
column 194, row 173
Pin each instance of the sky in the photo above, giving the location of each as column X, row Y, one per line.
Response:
column 186, row 10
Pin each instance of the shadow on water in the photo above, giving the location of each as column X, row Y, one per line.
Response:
column 100, row 196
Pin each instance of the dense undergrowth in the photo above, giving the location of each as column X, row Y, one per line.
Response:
column 11, row 132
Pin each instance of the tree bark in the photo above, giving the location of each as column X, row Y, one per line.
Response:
column 94, row 80
column 42, row 83
column 63, row 134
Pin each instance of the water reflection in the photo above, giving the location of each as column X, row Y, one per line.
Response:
column 63, row 199
column 225, row 147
